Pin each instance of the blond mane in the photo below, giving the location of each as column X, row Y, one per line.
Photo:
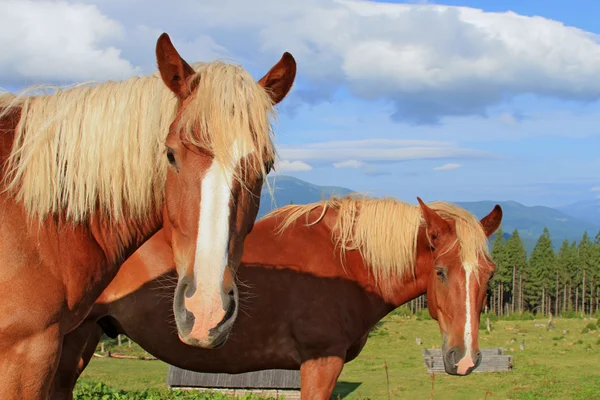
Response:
column 385, row 231
column 101, row 147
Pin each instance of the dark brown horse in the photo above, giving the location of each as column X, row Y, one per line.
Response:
column 312, row 291
column 88, row 174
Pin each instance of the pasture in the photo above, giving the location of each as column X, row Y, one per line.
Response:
column 552, row 365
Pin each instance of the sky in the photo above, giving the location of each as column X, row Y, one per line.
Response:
column 455, row 100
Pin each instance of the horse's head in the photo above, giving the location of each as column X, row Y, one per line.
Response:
column 457, row 284
column 219, row 151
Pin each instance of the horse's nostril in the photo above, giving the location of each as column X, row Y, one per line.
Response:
column 451, row 356
column 187, row 287
column 478, row 358
column 231, row 309
column 189, row 317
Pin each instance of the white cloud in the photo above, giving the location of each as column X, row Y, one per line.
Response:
column 291, row 166
column 596, row 189
column 348, row 164
column 447, row 167
column 429, row 60
column 367, row 151
column 46, row 41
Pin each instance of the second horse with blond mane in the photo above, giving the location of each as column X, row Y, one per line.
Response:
column 317, row 278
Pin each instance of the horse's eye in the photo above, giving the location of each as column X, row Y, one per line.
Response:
column 269, row 166
column 171, row 157
column 441, row 273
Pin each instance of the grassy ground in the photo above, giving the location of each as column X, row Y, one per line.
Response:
column 552, row 365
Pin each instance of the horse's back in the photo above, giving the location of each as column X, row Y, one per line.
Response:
column 307, row 249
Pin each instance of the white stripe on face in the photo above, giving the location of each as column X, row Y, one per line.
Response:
column 212, row 243
column 466, row 361
column 468, row 337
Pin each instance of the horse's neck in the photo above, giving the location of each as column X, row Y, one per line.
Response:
column 409, row 288
column 396, row 291
column 121, row 239
column 117, row 240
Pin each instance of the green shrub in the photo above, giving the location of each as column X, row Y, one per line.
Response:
column 402, row 311
column 423, row 315
column 590, row 327
column 99, row 391
column 483, row 324
column 492, row 316
column 570, row 314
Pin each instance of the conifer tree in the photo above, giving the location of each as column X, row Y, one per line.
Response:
column 515, row 256
column 574, row 273
column 543, row 272
column 584, row 261
column 498, row 256
column 595, row 274
column 566, row 263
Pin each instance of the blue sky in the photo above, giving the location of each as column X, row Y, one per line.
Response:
column 455, row 100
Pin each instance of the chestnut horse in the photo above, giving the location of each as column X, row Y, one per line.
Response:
column 90, row 173
column 314, row 290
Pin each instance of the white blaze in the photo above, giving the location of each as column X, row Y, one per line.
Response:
column 467, row 361
column 468, row 336
column 212, row 243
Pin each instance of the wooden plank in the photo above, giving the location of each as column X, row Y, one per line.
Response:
column 498, row 351
column 265, row 379
column 287, row 394
column 490, row 362
column 484, row 361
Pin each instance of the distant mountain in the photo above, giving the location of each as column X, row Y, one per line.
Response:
column 588, row 210
column 529, row 221
column 289, row 189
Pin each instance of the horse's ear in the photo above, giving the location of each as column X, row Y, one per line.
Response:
column 436, row 225
column 173, row 69
column 492, row 221
column 279, row 80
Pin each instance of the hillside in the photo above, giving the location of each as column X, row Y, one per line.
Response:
column 588, row 210
column 529, row 221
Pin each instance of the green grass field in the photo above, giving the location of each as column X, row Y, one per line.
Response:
column 552, row 365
